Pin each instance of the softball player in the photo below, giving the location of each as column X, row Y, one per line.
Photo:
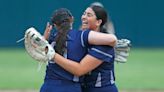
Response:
column 99, row 60
column 101, row 79
column 72, row 45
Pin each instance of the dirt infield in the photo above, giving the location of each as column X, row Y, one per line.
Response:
column 119, row 91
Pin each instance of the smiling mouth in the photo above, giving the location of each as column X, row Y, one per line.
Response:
column 84, row 25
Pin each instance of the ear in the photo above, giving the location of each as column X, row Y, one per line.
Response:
column 98, row 23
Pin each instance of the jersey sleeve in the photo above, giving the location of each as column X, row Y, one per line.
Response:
column 103, row 53
column 84, row 38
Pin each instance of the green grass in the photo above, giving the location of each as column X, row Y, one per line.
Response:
column 143, row 70
column 18, row 70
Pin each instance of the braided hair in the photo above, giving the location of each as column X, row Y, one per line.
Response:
column 62, row 19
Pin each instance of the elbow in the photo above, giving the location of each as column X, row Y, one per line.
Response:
column 79, row 73
column 113, row 41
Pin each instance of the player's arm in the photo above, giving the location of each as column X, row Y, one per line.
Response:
column 87, row 64
column 96, row 56
column 97, row 38
column 47, row 31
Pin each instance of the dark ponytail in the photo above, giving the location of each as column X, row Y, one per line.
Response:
column 62, row 19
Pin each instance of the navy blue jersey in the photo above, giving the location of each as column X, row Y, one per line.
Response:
column 76, row 49
column 103, row 75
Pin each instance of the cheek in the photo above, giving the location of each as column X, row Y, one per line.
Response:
column 91, row 25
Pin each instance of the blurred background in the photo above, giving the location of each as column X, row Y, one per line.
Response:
column 141, row 21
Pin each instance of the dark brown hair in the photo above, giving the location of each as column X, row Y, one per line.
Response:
column 62, row 19
column 100, row 13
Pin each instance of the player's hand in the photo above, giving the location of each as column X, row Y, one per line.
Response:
column 48, row 27
column 47, row 30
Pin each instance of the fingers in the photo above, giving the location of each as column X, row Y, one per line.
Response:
column 47, row 30
column 48, row 27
